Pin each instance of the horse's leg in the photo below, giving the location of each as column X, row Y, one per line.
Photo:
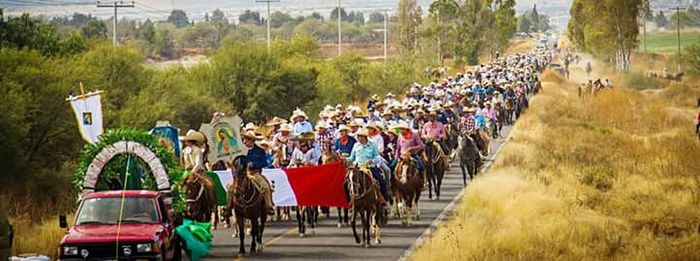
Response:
column 429, row 170
column 340, row 217
column 241, row 234
column 253, row 234
column 417, row 210
column 464, row 175
column 216, row 217
column 300, row 221
column 363, row 217
column 263, row 219
column 375, row 226
column 353, row 223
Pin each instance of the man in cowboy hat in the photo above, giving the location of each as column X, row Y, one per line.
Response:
column 375, row 136
column 280, row 140
column 344, row 143
column 192, row 158
column 435, row 130
column 255, row 161
column 275, row 123
column 305, row 154
column 301, row 122
column 409, row 143
column 324, row 137
column 365, row 154
column 449, row 113
column 372, row 103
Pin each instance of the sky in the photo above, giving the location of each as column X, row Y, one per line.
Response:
column 159, row 9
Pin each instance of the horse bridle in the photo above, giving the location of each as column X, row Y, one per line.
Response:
column 199, row 194
column 253, row 199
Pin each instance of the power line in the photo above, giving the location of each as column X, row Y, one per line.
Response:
column 37, row 3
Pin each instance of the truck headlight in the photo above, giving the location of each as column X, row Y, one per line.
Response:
column 70, row 250
column 140, row 248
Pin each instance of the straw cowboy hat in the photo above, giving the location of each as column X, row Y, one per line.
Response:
column 298, row 113
column 402, row 125
column 286, row 127
column 251, row 135
column 362, row 132
column 250, row 126
column 276, row 121
column 305, row 136
column 390, row 95
column 373, row 125
column 470, row 109
column 194, row 136
column 263, row 143
column 359, row 114
column 387, row 112
column 448, row 104
column 375, row 97
column 344, row 127
column 322, row 125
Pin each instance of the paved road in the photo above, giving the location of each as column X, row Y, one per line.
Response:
column 330, row 242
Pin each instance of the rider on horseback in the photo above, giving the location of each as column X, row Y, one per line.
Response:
column 365, row 154
column 409, row 144
column 256, row 160
column 435, row 130
column 467, row 127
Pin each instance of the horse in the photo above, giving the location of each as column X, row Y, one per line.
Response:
column 247, row 202
column 469, row 159
column 434, row 167
column 676, row 76
column 452, row 134
column 200, row 198
column 328, row 157
column 408, row 184
column 484, row 141
column 364, row 201
column 509, row 111
column 501, row 118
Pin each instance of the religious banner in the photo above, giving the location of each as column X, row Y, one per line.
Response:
column 224, row 139
column 88, row 112
column 167, row 137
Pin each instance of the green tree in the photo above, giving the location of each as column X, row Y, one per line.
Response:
column 95, row 29
column 147, row 31
column 506, row 24
column 343, row 15
column 72, row 44
column 409, row 20
column 535, row 16
column 693, row 54
column 277, row 19
column 661, row 20
column 351, row 68
column 376, row 17
column 250, row 17
column 524, row 24
column 178, row 18
column 164, row 44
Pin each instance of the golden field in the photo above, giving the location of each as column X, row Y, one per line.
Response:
column 614, row 176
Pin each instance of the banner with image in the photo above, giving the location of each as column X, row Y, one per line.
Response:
column 88, row 113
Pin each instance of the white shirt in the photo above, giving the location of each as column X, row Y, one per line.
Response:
column 378, row 142
column 308, row 158
column 192, row 158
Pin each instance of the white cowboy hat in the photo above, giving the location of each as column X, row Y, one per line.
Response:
column 286, row 127
column 390, row 95
column 448, row 104
column 276, row 121
column 250, row 126
column 362, row 132
column 343, row 127
column 263, row 142
column 194, row 136
column 251, row 135
column 322, row 125
column 298, row 113
column 402, row 125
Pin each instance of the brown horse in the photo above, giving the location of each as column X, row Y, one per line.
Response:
column 247, row 202
column 434, row 167
column 364, row 201
column 508, row 116
column 485, row 140
column 408, row 184
column 469, row 159
column 200, row 197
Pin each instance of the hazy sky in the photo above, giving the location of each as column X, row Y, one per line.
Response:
column 159, row 9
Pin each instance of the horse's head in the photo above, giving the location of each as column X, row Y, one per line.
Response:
column 194, row 191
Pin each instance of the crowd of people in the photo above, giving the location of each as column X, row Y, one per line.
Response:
column 376, row 135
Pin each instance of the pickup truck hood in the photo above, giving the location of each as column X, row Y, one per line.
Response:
column 108, row 233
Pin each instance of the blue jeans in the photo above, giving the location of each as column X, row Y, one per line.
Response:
column 382, row 183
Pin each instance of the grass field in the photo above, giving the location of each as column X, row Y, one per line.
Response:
column 612, row 177
column 666, row 43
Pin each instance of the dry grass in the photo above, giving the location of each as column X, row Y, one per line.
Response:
column 41, row 238
column 612, row 177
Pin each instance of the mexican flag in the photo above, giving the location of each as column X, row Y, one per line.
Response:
column 308, row 186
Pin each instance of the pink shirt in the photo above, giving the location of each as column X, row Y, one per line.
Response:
column 414, row 143
column 434, row 130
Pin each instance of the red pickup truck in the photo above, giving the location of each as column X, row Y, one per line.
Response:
column 121, row 225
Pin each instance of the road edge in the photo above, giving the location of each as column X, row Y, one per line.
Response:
column 450, row 207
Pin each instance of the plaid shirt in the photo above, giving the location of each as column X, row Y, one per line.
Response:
column 467, row 124
column 325, row 140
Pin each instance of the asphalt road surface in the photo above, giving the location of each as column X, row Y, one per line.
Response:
column 328, row 242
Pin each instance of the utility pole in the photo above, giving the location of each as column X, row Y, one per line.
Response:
column 340, row 34
column 269, row 38
column 439, row 46
column 386, row 30
column 116, row 5
column 678, row 32
column 645, row 34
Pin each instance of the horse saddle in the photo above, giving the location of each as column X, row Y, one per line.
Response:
column 375, row 184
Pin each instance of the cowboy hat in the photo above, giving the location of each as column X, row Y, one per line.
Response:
column 286, row 127
column 263, row 142
column 251, row 135
column 402, row 125
column 390, row 95
column 306, row 136
column 194, row 136
column 322, row 125
column 373, row 125
column 387, row 112
column 358, row 114
column 344, row 127
column 298, row 113
column 362, row 132
column 250, row 126
column 448, row 104
column 276, row 121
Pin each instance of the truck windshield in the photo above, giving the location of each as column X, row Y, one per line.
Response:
column 107, row 211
